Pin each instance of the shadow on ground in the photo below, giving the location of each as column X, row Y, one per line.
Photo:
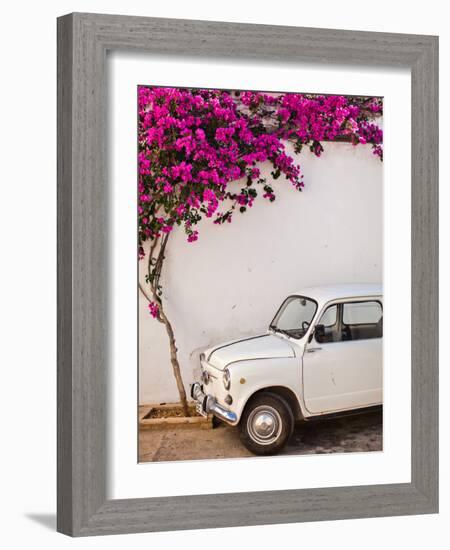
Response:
column 46, row 520
column 361, row 433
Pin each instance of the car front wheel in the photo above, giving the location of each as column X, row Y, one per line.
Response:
column 266, row 424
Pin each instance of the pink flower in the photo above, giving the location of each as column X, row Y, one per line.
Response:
column 154, row 309
column 269, row 196
column 200, row 134
column 224, row 134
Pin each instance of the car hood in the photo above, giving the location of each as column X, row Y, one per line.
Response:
column 266, row 346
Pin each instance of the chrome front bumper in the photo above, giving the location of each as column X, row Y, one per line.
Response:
column 207, row 404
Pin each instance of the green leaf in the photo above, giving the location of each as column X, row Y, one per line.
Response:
column 276, row 174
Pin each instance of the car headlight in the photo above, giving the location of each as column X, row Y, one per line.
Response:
column 226, row 379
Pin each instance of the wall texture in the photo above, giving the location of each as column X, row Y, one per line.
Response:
column 231, row 281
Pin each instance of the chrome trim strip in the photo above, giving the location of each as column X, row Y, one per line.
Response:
column 260, row 359
column 222, row 346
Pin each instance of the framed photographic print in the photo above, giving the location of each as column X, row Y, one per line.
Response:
column 247, row 274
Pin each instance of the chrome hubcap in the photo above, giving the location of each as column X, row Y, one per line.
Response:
column 264, row 425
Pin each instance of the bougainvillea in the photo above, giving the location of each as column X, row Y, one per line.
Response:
column 194, row 143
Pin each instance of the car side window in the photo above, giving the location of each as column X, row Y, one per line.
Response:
column 327, row 327
column 350, row 321
column 329, row 317
column 362, row 320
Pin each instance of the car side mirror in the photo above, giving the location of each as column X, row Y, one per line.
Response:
column 319, row 332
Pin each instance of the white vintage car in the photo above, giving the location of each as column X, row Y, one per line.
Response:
column 322, row 355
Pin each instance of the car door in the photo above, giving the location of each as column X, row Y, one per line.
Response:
column 342, row 365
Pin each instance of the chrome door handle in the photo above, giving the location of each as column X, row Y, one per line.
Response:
column 312, row 350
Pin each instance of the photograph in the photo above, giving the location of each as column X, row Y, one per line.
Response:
column 260, row 267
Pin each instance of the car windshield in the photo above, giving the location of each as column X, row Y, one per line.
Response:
column 294, row 316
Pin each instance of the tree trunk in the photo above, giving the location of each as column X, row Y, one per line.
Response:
column 162, row 318
column 174, row 361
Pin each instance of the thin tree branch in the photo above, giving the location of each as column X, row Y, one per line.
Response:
column 159, row 261
column 144, row 292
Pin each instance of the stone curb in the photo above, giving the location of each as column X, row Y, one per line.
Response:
column 200, row 422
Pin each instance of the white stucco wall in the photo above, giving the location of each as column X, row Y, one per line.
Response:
column 231, row 281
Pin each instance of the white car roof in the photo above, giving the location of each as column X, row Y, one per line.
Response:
column 325, row 293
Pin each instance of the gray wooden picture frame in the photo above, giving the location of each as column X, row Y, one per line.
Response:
column 83, row 42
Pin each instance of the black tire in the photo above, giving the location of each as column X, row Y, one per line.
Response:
column 266, row 424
